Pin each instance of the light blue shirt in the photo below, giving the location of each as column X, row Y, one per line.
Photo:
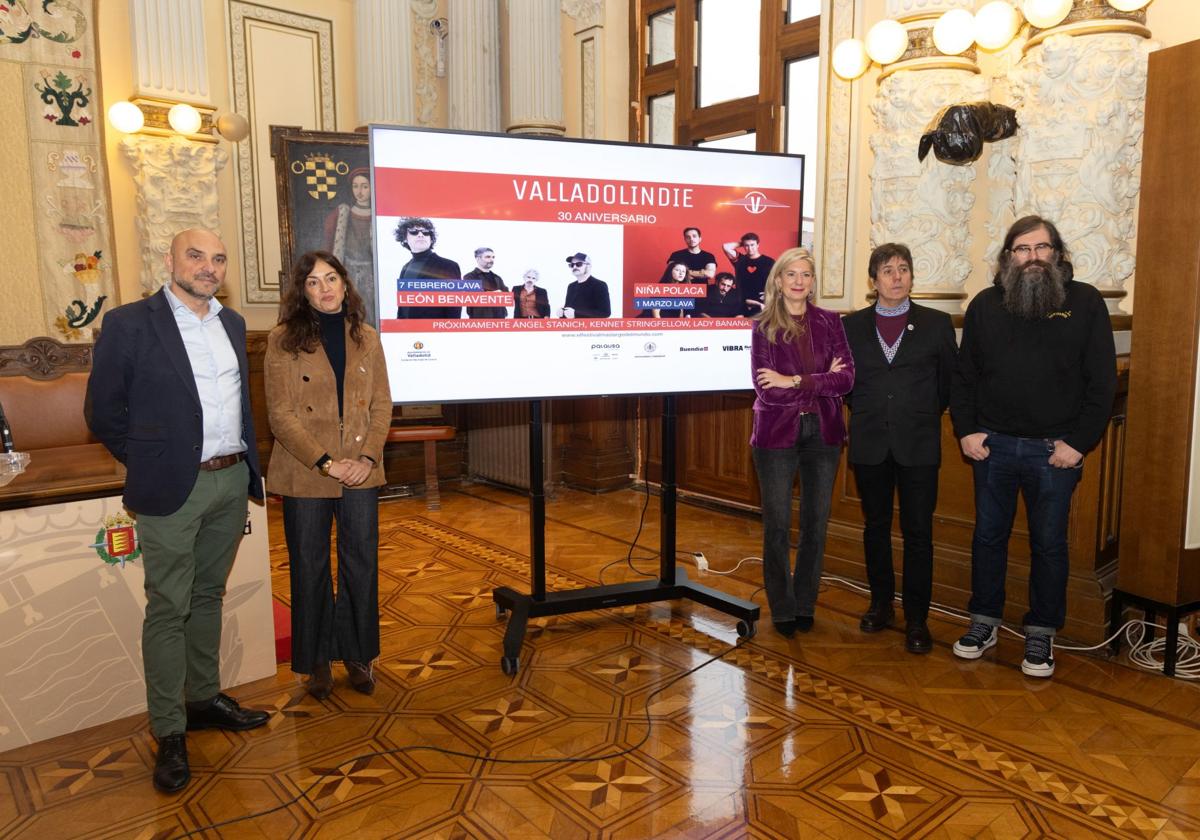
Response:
column 218, row 377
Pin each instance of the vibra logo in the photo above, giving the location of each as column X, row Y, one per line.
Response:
column 755, row 202
column 734, row 348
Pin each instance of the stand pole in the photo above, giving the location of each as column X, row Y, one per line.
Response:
column 671, row 584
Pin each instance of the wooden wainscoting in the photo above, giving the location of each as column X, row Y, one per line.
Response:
column 593, row 439
column 713, row 460
column 404, row 463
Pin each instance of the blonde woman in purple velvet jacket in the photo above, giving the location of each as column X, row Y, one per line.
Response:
column 802, row 368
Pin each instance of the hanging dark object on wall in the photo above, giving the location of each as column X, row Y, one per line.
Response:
column 958, row 132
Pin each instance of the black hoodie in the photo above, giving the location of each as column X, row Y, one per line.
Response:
column 1051, row 378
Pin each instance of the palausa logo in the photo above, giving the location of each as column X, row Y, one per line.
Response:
column 755, row 202
column 117, row 541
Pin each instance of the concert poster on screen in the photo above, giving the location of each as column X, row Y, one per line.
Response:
column 512, row 267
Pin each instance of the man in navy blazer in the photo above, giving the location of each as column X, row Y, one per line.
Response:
column 169, row 396
column 904, row 355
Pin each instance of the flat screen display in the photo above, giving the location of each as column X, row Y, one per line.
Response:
column 520, row 268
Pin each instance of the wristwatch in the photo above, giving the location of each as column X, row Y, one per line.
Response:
column 324, row 464
column 796, row 381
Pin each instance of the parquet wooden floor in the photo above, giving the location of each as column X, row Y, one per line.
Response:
column 832, row 734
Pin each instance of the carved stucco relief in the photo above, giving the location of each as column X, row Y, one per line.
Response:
column 425, row 41
column 924, row 204
column 1081, row 104
column 176, row 182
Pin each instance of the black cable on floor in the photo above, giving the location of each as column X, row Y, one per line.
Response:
column 475, row 756
column 628, row 559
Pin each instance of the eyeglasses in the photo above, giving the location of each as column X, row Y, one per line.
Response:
column 418, row 232
column 1041, row 249
column 578, row 264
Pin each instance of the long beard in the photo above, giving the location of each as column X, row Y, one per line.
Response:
column 1033, row 290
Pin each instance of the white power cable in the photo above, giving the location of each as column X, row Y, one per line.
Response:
column 1147, row 655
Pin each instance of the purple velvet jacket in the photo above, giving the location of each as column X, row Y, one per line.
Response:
column 777, row 410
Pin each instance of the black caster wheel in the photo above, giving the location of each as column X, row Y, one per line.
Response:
column 747, row 629
column 501, row 612
column 509, row 665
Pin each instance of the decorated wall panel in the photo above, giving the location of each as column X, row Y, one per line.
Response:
column 56, row 196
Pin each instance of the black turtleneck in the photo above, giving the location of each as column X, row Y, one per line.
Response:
column 333, row 339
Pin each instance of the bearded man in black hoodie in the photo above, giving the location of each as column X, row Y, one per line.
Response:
column 1032, row 392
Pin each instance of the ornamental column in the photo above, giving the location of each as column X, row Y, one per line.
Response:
column 175, row 177
column 474, row 65
column 925, row 205
column 383, row 42
column 535, row 98
column 1080, row 95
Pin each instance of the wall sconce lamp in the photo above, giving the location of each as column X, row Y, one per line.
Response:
column 955, row 32
column 166, row 119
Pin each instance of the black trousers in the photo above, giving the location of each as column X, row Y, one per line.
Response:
column 917, row 486
column 326, row 627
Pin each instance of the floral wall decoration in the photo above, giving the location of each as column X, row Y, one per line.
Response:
column 58, row 219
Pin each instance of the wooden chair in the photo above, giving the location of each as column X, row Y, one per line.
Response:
column 429, row 435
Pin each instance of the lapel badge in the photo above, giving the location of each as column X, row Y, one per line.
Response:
column 910, row 327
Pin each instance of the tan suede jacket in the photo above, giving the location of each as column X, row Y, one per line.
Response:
column 302, row 408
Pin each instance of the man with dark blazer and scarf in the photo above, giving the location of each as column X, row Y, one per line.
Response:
column 904, row 357
column 169, row 396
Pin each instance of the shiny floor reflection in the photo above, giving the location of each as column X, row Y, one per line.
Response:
column 831, row 734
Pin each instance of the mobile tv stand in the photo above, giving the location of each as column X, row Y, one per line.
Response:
column 672, row 583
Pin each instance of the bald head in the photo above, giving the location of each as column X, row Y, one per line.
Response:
column 197, row 262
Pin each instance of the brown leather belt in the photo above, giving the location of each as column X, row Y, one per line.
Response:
column 222, row 461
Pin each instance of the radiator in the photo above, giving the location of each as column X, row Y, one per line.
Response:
column 498, row 443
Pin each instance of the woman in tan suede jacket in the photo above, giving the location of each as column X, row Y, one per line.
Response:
column 329, row 408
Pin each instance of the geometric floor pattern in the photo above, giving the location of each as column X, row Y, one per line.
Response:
column 643, row 722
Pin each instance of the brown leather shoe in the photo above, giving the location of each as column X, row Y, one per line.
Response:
column 361, row 678
column 320, row 682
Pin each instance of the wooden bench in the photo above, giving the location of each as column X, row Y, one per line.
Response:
column 429, row 435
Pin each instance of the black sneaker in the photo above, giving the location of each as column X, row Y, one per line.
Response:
column 1039, row 656
column 978, row 638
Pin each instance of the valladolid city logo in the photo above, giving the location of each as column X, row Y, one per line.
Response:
column 117, row 541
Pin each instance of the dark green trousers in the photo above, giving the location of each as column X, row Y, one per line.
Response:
column 187, row 556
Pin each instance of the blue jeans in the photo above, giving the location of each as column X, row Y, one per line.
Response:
column 795, row 594
column 326, row 627
column 1021, row 465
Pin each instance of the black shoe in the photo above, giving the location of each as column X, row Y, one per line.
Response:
column 804, row 623
column 171, row 773
column 917, row 638
column 787, row 628
column 223, row 712
column 320, row 682
column 361, row 678
column 878, row 617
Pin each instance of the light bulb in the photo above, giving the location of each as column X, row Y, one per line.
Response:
column 126, row 117
column 184, row 118
column 233, row 127
column 1044, row 14
column 887, row 41
column 954, row 31
column 1128, row 5
column 850, row 59
column 996, row 25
